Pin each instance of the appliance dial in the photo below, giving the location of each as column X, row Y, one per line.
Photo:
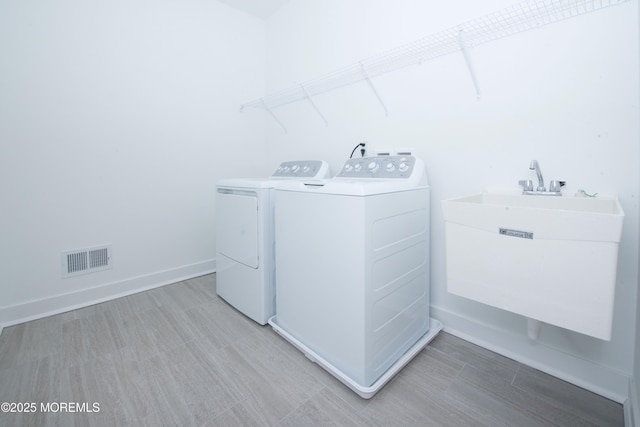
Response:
column 295, row 168
column 403, row 167
column 357, row 167
column 373, row 167
column 348, row 167
column 391, row 167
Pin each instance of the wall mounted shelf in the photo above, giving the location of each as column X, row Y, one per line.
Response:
column 515, row 19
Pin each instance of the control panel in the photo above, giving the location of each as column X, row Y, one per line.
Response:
column 378, row 167
column 302, row 169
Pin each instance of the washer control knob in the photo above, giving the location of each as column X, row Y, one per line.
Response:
column 391, row 167
column 373, row 167
column 295, row 168
column 403, row 167
column 357, row 167
column 306, row 168
column 285, row 169
column 348, row 167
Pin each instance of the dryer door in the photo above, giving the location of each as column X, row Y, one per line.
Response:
column 237, row 226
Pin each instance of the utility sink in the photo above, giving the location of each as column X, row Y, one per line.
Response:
column 551, row 259
column 565, row 218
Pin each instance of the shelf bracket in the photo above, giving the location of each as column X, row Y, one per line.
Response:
column 373, row 88
column 266, row 107
column 313, row 104
column 467, row 58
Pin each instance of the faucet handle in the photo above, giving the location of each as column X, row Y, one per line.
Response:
column 555, row 186
column 527, row 185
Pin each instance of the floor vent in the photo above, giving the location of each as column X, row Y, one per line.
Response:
column 89, row 260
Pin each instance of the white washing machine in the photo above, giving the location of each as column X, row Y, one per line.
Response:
column 352, row 269
column 245, row 238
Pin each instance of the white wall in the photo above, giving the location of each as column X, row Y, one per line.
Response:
column 565, row 94
column 116, row 119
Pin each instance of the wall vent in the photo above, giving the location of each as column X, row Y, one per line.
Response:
column 88, row 260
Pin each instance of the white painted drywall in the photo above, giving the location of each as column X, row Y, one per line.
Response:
column 565, row 94
column 116, row 119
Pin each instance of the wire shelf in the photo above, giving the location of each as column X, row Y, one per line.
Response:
column 515, row 19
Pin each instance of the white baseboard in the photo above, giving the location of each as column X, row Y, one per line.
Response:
column 591, row 376
column 37, row 309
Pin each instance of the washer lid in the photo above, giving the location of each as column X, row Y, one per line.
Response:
column 348, row 187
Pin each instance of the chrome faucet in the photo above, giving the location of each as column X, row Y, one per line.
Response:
column 527, row 185
column 536, row 166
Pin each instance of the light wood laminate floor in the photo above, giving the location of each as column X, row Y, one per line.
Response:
column 180, row 356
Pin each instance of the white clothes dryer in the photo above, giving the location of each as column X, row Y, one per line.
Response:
column 352, row 269
column 245, row 264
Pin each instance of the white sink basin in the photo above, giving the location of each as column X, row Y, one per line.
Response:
column 551, row 259
column 548, row 217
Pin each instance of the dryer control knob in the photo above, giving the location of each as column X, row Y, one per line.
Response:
column 348, row 167
column 306, row 168
column 373, row 167
column 295, row 168
column 357, row 167
column 403, row 167
column 391, row 167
